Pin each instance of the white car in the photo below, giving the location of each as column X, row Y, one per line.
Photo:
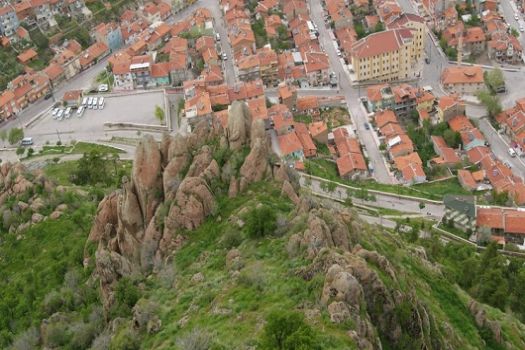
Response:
column 103, row 88
column 516, row 17
column 80, row 111
column 522, row 29
column 224, row 56
column 54, row 113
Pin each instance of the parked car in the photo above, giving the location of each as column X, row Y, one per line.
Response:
column 218, row 37
column 80, row 111
column 512, row 152
column 27, row 141
column 516, row 17
column 367, row 126
column 103, row 88
column 55, row 111
column 224, row 56
column 427, row 60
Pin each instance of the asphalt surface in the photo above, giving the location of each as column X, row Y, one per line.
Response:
column 385, row 201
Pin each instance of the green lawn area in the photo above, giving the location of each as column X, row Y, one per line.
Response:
column 435, row 191
column 61, row 172
column 77, row 148
column 450, row 186
column 303, row 118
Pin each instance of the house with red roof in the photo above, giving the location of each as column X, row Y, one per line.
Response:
column 447, row 156
column 55, row 73
column 317, row 68
column 290, row 146
column 508, row 223
column 92, row 54
column 27, row 56
column 8, row 106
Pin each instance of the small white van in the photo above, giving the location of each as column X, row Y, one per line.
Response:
column 512, row 152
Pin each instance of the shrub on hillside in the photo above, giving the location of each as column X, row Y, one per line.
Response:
column 261, row 222
column 288, row 331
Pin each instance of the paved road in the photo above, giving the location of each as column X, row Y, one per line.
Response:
column 381, row 200
column 220, row 27
column 351, row 95
column 498, row 144
column 508, row 9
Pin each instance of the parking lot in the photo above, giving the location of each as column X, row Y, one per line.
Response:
column 133, row 108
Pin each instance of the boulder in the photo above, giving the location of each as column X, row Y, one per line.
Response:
column 37, row 204
column 55, row 215
column 197, row 278
column 36, row 218
column 22, row 205
column 61, row 207
column 234, row 187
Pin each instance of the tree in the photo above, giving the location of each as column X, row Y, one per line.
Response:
column 20, row 151
column 379, row 27
column 94, row 168
column 159, row 114
column 288, row 331
column 261, row 222
column 421, row 206
column 491, row 103
column 30, row 152
column 452, row 138
column 15, row 135
column 494, row 80
column 3, row 135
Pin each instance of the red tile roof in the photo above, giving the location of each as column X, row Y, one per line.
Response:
column 289, row 143
column 378, row 43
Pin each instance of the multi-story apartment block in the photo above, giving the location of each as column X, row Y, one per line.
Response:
column 8, row 21
column 384, row 56
column 43, row 14
column 109, row 34
column 418, row 28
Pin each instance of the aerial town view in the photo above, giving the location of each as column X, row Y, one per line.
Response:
column 275, row 174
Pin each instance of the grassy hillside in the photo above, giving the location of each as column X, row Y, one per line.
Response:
column 223, row 286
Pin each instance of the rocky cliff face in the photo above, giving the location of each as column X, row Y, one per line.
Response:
column 170, row 193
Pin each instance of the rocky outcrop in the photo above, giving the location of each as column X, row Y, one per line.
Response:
column 320, row 233
column 256, row 166
column 193, row 203
column 178, row 159
column 106, row 214
column 344, row 297
column 239, row 121
column 147, row 176
column 482, row 321
column 288, row 191
column 136, row 228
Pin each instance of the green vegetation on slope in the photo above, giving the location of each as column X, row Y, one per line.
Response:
column 33, row 268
